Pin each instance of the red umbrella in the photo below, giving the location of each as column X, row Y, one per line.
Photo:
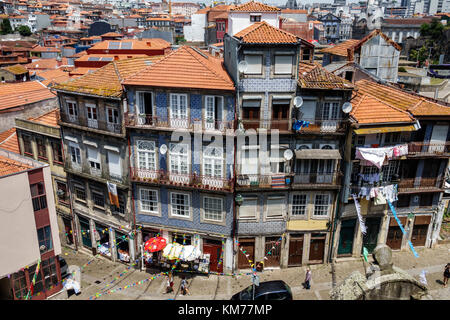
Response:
column 155, row 244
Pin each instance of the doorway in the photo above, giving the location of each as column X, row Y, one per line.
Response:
column 247, row 245
column 295, row 250
column 317, row 248
column 346, row 236
column 280, row 112
column 85, row 232
column 214, row 248
column 272, row 251
column 395, row 234
column 370, row 239
column 420, row 230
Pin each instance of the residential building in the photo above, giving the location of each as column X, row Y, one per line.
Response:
column 96, row 154
column 410, row 133
column 14, row 73
column 29, row 236
column 331, row 25
column 401, row 29
column 183, row 190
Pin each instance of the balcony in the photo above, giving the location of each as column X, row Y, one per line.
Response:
column 275, row 180
column 314, row 126
column 317, row 179
column 412, row 185
column 168, row 123
column 427, row 149
column 91, row 123
column 179, row 179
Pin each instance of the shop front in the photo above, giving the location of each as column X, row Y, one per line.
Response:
column 247, row 245
column 272, row 249
column 101, row 234
column 395, row 234
column 420, row 230
column 215, row 251
column 122, row 247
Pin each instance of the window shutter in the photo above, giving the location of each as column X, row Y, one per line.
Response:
column 248, row 208
column 254, row 64
column 114, row 164
column 92, row 154
column 283, row 64
column 275, row 206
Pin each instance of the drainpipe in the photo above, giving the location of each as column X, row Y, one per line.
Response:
column 132, row 197
column 334, row 223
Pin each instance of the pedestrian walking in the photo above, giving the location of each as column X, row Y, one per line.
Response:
column 169, row 285
column 446, row 274
column 308, row 279
column 184, row 289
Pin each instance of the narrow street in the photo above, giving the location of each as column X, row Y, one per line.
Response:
column 104, row 280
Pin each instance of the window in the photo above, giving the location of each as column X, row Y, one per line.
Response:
column 115, row 169
column 20, row 285
column 321, row 204
column 277, row 161
column 299, row 204
column 98, row 198
column 213, row 208
column 93, row 158
column 113, row 115
column 149, row 200
column 48, row 267
column 38, row 196
column 57, row 152
column 389, row 170
column 45, row 239
column 145, row 105
column 254, row 64
column 392, row 137
column 91, row 113
column 121, row 209
column 180, row 204
column 213, row 162
column 72, row 108
column 275, row 206
column 283, row 64
column 75, row 154
column 213, row 112
column 179, row 160
column 80, row 193
column 248, row 208
column 255, row 18
column 27, row 148
column 178, row 106
column 146, row 155
column 330, row 111
column 306, row 54
column 42, row 152
column 61, row 192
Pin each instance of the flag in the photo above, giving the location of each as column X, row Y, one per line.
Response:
column 112, row 192
column 31, row 291
column 358, row 211
column 365, row 253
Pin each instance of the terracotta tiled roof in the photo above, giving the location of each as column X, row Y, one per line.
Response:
column 314, row 76
column 185, row 68
column 108, row 57
column 341, row 49
column 8, row 140
column 106, row 81
column 253, row 6
column 49, row 119
column 23, row 93
column 155, row 44
column 44, row 64
column 9, row 166
column 416, row 105
column 262, row 32
column 111, row 34
column 81, row 71
column 52, row 77
column 44, row 49
column 370, row 110
column 16, row 69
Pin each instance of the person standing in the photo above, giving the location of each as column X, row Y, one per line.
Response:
column 169, row 286
column 446, row 274
column 184, row 289
column 308, row 279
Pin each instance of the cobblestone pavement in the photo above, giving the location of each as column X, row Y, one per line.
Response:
column 101, row 275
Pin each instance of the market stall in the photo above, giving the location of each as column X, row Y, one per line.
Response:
column 102, row 239
column 123, row 250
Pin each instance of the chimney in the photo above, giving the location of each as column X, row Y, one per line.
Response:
column 149, row 43
column 116, row 58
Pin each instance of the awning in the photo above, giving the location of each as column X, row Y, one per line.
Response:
column 318, row 154
column 385, row 129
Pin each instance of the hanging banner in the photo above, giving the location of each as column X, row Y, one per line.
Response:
column 30, row 292
column 112, row 192
column 358, row 211
column 401, row 227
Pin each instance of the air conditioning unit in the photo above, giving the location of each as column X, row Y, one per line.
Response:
column 327, row 146
column 303, row 146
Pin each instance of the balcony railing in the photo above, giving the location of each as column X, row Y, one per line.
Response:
column 181, row 179
column 91, row 123
column 133, row 120
column 419, row 183
column 314, row 126
column 333, row 178
column 427, row 148
column 276, row 180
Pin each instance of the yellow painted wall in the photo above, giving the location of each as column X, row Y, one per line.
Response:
column 304, row 225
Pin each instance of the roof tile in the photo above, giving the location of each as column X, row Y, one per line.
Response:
column 262, row 32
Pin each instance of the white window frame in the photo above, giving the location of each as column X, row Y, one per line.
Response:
column 215, row 161
column 89, row 109
column 119, row 174
column 140, row 102
column 176, row 158
column 74, row 107
column 332, row 112
column 221, row 209
column 328, row 205
column 147, row 154
column 73, row 147
column 96, row 161
column 283, row 72
column 188, row 205
column 179, row 114
column 211, row 110
column 141, row 206
column 255, row 66
column 116, row 120
column 294, row 206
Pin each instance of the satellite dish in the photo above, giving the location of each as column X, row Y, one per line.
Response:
column 298, row 101
column 242, row 66
column 163, row 149
column 288, row 154
column 347, row 107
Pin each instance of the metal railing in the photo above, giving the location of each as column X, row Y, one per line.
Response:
column 181, row 179
column 419, row 183
column 133, row 120
column 315, row 125
column 427, row 148
column 332, row 178
column 275, row 180
column 91, row 123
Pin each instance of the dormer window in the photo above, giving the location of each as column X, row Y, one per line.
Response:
column 255, row 18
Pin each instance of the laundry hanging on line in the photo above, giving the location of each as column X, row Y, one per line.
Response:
column 389, row 192
column 377, row 156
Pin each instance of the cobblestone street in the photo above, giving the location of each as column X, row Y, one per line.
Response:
column 101, row 275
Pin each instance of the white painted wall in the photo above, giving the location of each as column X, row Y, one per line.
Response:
column 51, row 210
column 196, row 31
column 238, row 21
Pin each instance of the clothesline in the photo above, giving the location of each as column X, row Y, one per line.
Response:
column 377, row 156
column 381, row 194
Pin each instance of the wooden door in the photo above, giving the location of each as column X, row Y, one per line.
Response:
column 280, row 118
column 247, row 245
column 272, row 252
column 394, row 238
column 346, row 237
column 295, row 250
column 214, row 248
column 316, row 248
column 251, row 117
column 419, row 235
column 370, row 239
